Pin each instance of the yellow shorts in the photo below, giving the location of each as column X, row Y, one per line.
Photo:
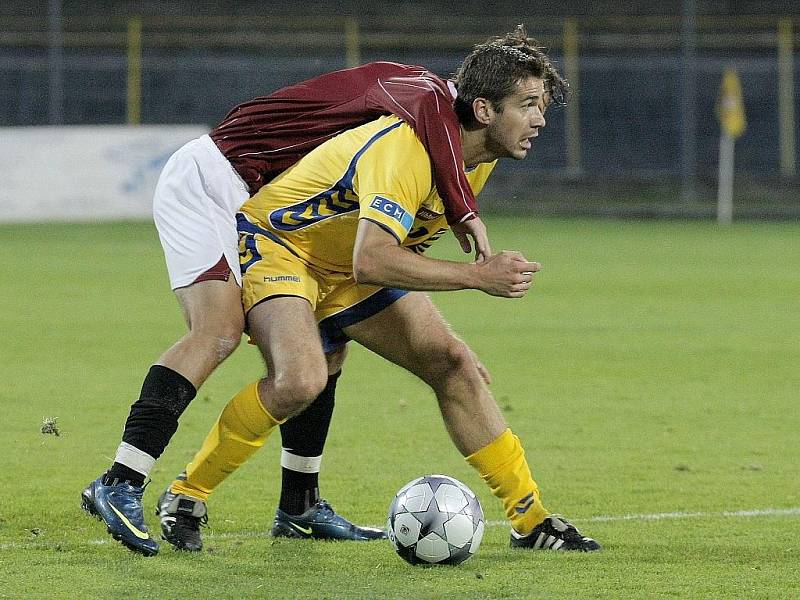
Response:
column 270, row 270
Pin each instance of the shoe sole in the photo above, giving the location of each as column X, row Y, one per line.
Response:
column 563, row 548
column 284, row 531
column 88, row 506
column 180, row 547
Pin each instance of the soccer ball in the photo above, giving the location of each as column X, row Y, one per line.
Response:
column 435, row 520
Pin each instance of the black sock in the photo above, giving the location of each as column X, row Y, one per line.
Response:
column 119, row 473
column 305, row 435
column 153, row 419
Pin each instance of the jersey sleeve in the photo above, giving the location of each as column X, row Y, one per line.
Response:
column 393, row 179
column 425, row 102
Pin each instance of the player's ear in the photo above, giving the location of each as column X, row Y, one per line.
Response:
column 482, row 108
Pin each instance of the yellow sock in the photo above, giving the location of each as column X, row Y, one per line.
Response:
column 502, row 465
column 241, row 429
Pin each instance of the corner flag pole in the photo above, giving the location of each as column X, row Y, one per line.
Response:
column 730, row 112
column 725, row 182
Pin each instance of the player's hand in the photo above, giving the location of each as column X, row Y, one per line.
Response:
column 508, row 274
column 484, row 372
column 475, row 229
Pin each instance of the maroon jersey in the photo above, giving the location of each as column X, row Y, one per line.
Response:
column 269, row 134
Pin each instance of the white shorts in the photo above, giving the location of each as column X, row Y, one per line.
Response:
column 194, row 207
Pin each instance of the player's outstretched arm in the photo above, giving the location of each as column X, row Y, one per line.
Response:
column 378, row 259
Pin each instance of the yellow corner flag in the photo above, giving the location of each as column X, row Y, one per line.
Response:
column 730, row 107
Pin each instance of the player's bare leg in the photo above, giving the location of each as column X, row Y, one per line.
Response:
column 412, row 333
column 213, row 313
column 212, row 309
column 298, row 371
column 286, row 332
column 303, row 440
column 302, row 513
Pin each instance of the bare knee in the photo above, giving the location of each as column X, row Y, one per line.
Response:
column 295, row 389
column 214, row 314
column 451, row 360
column 219, row 338
column 228, row 334
column 459, row 359
column 226, row 344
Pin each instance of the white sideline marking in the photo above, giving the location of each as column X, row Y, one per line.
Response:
column 756, row 512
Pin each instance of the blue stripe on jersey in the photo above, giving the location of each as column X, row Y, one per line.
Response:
column 250, row 229
column 335, row 201
column 331, row 329
column 255, row 255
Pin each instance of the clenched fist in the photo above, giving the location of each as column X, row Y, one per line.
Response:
column 508, row 274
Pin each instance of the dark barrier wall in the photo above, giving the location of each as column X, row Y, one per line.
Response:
column 629, row 105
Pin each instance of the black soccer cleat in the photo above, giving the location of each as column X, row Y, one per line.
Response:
column 119, row 506
column 181, row 517
column 554, row 533
column 320, row 522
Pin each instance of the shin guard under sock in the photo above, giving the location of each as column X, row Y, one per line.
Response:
column 502, row 465
column 152, row 422
column 240, row 430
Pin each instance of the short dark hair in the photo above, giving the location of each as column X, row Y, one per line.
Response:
column 494, row 68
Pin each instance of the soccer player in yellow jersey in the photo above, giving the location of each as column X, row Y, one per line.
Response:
column 331, row 251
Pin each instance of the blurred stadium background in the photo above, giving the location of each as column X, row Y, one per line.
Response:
column 639, row 139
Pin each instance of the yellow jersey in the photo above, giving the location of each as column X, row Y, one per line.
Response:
column 379, row 171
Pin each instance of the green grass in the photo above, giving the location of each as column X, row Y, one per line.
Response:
column 654, row 369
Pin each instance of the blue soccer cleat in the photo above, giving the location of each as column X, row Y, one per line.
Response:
column 320, row 522
column 120, row 507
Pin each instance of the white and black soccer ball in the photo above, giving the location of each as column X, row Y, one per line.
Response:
column 435, row 520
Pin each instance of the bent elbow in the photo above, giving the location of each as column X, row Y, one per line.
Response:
column 363, row 270
column 371, row 268
column 358, row 273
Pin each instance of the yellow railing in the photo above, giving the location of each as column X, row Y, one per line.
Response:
column 134, row 108
column 572, row 73
column 786, row 104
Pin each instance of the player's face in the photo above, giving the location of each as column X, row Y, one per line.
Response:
column 521, row 116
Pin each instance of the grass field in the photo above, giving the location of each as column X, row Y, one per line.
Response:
column 653, row 376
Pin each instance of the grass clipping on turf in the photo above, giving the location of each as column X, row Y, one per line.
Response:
column 50, row 426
